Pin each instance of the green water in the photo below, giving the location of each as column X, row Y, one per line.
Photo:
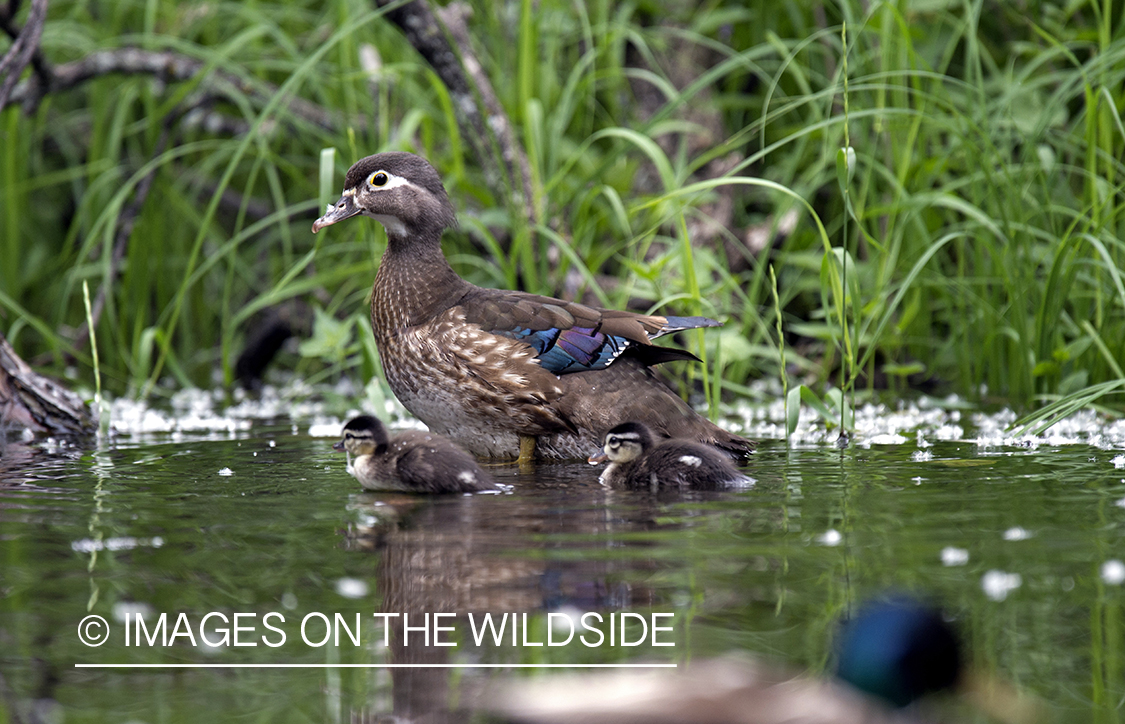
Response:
column 155, row 528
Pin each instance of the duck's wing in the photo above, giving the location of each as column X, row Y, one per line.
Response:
column 572, row 337
column 427, row 463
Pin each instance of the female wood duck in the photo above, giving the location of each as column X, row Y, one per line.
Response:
column 411, row 462
column 636, row 460
column 503, row 373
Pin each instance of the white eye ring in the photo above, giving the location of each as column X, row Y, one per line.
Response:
column 378, row 179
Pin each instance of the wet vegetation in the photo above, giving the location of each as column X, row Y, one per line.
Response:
column 869, row 195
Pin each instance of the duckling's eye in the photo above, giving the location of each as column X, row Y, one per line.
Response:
column 378, row 179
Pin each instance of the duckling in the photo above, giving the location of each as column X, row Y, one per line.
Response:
column 412, row 461
column 637, row 461
column 503, row 373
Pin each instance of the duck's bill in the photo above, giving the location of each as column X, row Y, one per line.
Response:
column 597, row 458
column 339, row 444
column 345, row 208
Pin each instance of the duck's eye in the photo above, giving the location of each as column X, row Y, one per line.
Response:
column 378, row 179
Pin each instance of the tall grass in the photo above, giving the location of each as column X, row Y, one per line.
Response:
column 983, row 218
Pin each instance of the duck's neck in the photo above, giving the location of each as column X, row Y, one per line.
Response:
column 414, row 283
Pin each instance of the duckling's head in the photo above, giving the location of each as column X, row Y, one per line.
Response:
column 625, row 443
column 363, row 435
column 400, row 190
column 898, row 649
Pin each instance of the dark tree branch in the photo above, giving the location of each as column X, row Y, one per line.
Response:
column 25, row 46
column 166, row 65
column 455, row 17
column 8, row 25
column 214, row 123
column 424, row 31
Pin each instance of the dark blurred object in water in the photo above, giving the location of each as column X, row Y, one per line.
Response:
column 891, row 654
column 899, row 650
column 30, row 400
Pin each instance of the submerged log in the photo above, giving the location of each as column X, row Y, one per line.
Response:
column 30, row 400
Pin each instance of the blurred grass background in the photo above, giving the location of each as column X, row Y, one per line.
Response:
column 677, row 153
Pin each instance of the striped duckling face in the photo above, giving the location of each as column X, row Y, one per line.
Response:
column 363, row 435
column 624, row 444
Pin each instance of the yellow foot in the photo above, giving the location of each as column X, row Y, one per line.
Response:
column 527, row 450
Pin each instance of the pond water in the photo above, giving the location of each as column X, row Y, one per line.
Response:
column 1020, row 541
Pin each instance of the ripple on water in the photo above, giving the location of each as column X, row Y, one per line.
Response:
column 1008, row 530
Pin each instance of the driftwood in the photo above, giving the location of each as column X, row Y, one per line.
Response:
column 30, row 400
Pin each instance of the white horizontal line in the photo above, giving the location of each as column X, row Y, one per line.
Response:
column 375, row 666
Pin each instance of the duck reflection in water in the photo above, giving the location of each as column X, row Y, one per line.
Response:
column 478, row 554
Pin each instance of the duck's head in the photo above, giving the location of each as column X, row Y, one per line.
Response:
column 624, row 443
column 898, row 649
column 401, row 191
column 363, row 435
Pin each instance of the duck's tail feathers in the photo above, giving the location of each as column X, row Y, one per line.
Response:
column 679, row 324
column 654, row 354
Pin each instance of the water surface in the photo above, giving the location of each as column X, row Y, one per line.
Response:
column 1018, row 543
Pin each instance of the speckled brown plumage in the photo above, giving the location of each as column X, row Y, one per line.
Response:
column 485, row 366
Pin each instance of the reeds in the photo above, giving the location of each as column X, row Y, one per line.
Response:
column 981, row 234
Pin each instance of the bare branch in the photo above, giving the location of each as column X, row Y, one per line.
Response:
column 423, row 31
column 455, row 16
column 8, row 25
column 24, row 47
column 166, row 65
column 426, row 34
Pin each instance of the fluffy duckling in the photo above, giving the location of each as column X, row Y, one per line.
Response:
column 411, row 462
column 636, row 460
